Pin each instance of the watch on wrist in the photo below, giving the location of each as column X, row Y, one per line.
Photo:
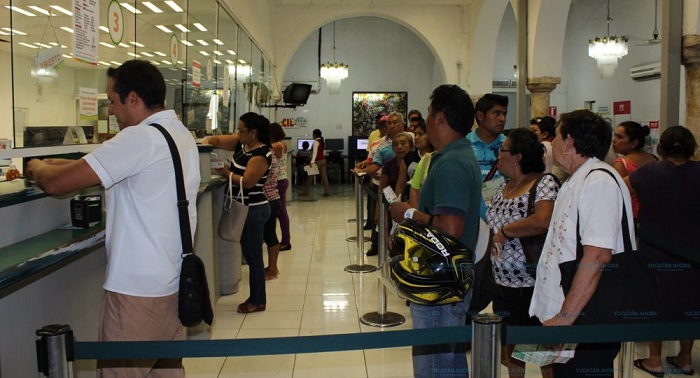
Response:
column 408, row 214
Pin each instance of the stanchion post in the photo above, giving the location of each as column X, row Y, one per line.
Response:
column 382, row 318
column 360, row 267
column 54, row 350
column 624, row 363
column 486, row 345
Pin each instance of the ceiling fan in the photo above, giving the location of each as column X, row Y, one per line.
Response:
column 655, row 34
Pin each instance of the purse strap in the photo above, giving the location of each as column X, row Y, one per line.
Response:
column 533, row 193
column 625, row 224
column 240, row 189
column 182, row 202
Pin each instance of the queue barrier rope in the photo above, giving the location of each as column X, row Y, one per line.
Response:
column 375, row 340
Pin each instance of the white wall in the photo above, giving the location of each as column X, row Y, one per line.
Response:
column 383, row 56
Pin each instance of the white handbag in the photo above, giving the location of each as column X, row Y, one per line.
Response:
column 233, row 214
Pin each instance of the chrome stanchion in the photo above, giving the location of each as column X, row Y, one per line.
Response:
column 624, row 363
column 382, row 318
column 54, row 350
column 360, row 228
column 360, row 267
column 486, row 345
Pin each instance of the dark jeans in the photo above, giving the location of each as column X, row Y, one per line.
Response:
column 251, row 246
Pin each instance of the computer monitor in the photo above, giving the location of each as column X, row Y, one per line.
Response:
column 300, row 144
column 334, row 144
column 362, row 143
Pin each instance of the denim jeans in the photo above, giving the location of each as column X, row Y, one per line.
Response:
column 251, row 246
column 444, row 360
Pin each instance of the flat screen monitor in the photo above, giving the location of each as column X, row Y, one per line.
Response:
column 362, row 143
column 296, row 93
column 300, row 144
column 334, row 144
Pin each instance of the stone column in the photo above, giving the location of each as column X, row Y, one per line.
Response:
column 540, row 88
column 691, row 60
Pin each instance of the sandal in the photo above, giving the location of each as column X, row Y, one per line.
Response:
column 247, row 308
column 639, row 364
column 672, row 360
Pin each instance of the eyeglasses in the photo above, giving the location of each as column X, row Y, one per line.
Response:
column 503, row 150
column 241, row 131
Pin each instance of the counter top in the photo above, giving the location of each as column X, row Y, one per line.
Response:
column 27, row 261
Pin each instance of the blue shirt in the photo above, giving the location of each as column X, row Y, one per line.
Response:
column 383, row 155
column 486, row 153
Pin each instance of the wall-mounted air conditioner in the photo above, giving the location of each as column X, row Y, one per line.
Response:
column 646, row 71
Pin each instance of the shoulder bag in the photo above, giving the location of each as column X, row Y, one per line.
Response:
column 532, row 245
column 627, row 291
column 194, row 305
column 233, row 214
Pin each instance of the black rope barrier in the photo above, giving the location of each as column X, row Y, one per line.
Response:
column 375, row 340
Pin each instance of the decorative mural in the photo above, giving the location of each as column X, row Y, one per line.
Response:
column 366, row 106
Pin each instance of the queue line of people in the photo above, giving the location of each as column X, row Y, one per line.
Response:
column 585, row 211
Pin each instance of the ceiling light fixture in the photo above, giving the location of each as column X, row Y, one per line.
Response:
column 334, row 72
column 174, row 6
column 152, row 7
column 607, row 50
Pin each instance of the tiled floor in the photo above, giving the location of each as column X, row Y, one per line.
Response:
column 315, row 296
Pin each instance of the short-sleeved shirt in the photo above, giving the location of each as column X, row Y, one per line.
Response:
column 453, row 187
column 486, row 153
column 383, row 155
column 421, row 171
column 391, row 170
column 238, row 162
column 271, row 184
column 142, row 239
column 509, row 267
column 594, row 203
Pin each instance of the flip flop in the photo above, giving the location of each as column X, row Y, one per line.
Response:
column 639, row 364
column 672, row 360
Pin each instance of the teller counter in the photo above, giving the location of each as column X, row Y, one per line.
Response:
column 51, row 273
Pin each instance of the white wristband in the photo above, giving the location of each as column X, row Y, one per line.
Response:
column 408, row 214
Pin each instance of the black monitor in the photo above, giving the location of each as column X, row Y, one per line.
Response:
column 334, row 144
column 300, row 144
column 296, row 93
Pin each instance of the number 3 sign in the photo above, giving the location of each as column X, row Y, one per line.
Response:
column 115, row 19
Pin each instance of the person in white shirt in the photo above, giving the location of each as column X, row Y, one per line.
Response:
column 592, row 202
column 142, row 223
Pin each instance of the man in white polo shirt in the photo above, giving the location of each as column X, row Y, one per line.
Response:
column 142, row 241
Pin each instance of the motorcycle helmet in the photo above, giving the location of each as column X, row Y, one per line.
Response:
column 433, row 268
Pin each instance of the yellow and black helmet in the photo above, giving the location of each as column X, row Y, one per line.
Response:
column 432, row 268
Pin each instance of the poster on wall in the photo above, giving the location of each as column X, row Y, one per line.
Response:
column 367, row 105
column 88, row 104
column 85, row 30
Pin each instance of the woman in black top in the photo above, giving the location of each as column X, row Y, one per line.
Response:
column 250, row 161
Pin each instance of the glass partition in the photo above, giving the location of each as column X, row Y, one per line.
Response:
column 59, row 62
column 244, row 71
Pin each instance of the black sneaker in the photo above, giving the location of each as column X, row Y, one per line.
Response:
column 372, row 252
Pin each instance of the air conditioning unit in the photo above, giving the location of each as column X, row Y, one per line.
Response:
column 646, row 71
column 500, row 83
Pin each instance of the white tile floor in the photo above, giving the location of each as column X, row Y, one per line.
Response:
column 315, row 296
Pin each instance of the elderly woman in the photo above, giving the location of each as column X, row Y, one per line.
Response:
column 250, row 161
column 520, row 159
column 629, row 140
column 667, row 216
column 587, row 216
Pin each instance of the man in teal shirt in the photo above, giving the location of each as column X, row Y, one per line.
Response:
column 487, row 139
column 449, row 200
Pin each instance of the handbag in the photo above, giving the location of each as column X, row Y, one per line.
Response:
column 233, row 214
column 627, row 291
column 532, row 245
column 194, row 305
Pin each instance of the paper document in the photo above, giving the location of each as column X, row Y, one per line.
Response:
column 489, row 189
column 311, row 170
column 541, row 355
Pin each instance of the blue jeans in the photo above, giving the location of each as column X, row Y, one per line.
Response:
column 251, row 246
column 444, row 360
